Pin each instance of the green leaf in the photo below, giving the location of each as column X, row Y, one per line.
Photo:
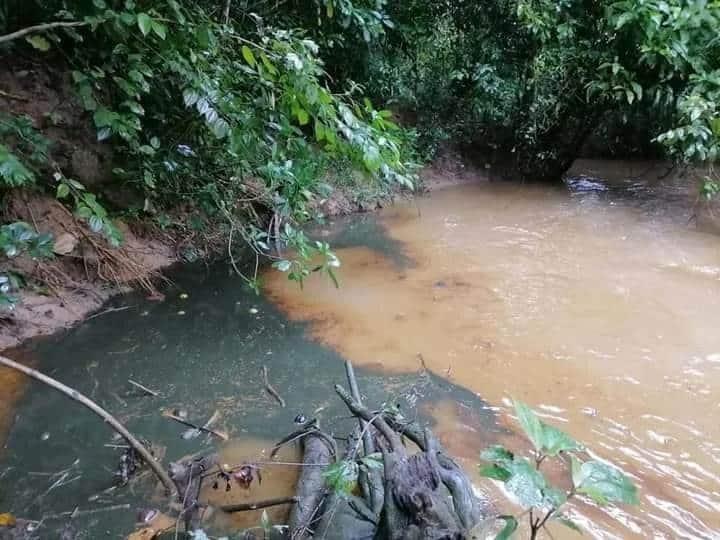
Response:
column 555, row 441
column 39, row 42
column 283, row 266
column 497, row 454
column 144, row 23
column 159, row 29
column 96, row 224
column 248, row 56
column 341, row 477
column 511, row 525
column 604, row 483
column 104, row 117
column 526, row 483
column 303, row 117
column 63, row 190
column 530, row 424
column 495, row 472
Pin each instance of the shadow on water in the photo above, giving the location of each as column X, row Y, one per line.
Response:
column 202, row 353
column 364, row 231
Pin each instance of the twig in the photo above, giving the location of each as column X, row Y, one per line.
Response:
column 40, row 28
column 8, row 95
column 270, row 390
column 76, row 512
column 109, row 310
column 73, row 394
column 219, row 434
column 143, row 388
column 244, row 507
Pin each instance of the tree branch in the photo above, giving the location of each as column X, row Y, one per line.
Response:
column 41, row 28
column 102, row 413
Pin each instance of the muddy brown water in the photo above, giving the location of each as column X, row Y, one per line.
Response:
column 595, row 303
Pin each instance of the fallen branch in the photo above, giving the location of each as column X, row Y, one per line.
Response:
column 143, row 452
column 41, row 28
column 244, row 507
column 143, row 388
column 109, row 310
column 270, row 390
column 9, row 95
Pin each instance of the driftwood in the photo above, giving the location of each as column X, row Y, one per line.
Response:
column 310, row 492
column 245, row 507
column 412, row 496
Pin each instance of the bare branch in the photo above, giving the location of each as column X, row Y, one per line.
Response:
column 41, row 28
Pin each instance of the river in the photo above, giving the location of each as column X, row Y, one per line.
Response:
column 594, row 302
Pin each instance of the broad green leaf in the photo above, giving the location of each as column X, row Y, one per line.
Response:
column 63, row 190
column 159, row 29
column 39, row 42
column 510, row 527
column 303, row 117
column 604, row 483
column 144, row 23
column 248, row 56
column 526, row 483
column 555, row 441
column 530, row 424
column 497, row 454
column 495, row 472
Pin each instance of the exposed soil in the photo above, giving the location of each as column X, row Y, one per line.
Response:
column 83, row 274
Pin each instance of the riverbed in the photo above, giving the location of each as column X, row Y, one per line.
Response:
column 593, row 301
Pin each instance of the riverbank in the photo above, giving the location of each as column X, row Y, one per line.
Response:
column 79, row 279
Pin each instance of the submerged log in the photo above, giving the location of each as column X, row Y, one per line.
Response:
column 318, row 453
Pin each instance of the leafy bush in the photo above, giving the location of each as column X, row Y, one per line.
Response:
column 541, row 501
column 15, row 239
column 230, row 116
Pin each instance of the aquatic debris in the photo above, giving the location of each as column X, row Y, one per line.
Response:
column 197, row 430
column 245, row 475
column 143, row 388
column 269, row 389
column 113, row 422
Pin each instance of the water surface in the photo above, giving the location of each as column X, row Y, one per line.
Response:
column 593, row 302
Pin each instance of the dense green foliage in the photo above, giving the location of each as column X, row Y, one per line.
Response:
column 225, row 110
column 533, row 78
column 541, row 501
